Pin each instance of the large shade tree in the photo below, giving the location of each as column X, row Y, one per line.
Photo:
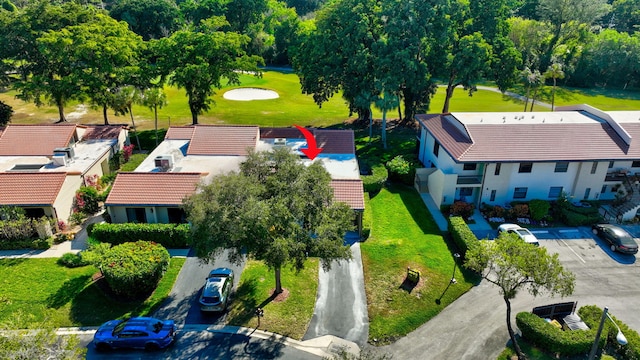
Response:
column 198, row 61
column 513, row 266
column 275, row 209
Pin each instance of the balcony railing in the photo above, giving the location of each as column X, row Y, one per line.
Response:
column 469, row 180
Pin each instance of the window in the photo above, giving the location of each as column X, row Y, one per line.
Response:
column 562, row 167
column 604, row 189
column 470, row 166
column 176, row 216
column 497, row 171
column 520, row 193
column 587, row 192
column 466, row 191
column 611, row 163
column 554, row 192
column 137, row 215
column 635, row 163
column 436, row 149
column 493, row 196
column 525, row 167
column 594, row 167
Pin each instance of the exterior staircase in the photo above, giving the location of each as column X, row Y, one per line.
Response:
column 630, row 202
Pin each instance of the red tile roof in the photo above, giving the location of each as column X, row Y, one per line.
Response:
column 132, row 188
column 335, row 141
column 102, row 132
column 35, row 140
column 179, row 133
column 25, row 188
column 223, row 140
column 532, row 142
column 350, row 192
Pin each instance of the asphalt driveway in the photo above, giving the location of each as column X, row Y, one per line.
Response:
column 341, row 303
column 182, row 303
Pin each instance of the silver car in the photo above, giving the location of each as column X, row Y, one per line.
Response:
column 216, row 290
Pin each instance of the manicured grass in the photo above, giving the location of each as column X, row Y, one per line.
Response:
column 67, row 297
column 403, row 235
column 290, row 317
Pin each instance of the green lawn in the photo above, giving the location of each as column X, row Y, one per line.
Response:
column 403, row 234
column 289, row 317
column 66, row 297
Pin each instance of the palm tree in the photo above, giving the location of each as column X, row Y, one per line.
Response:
column 154, row 98
column 555, row 72
column 123, row 101
column 386, row 101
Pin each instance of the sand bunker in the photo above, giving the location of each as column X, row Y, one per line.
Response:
column 248, row 94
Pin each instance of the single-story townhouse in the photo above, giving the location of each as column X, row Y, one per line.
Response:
column 42, row 166
column 190, row 155
column 496, row 158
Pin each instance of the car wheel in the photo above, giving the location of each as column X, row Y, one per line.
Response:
column 594, row 231
column 152, row 347
column 613, row 248
column 102, row 347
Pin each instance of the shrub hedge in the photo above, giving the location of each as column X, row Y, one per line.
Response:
column 540, row 333
column 72, row 260
column 134, row 269
column 168, row 235
column 573, row 218
column 539, row 209
column 373, row 183
column 461, row 234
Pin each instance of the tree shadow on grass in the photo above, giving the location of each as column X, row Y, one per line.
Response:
column 416, row 207
column 67, row 292
column 245, row 302
column 11, row 261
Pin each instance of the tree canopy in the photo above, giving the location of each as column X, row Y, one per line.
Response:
column 275, row 209
column 514, row 265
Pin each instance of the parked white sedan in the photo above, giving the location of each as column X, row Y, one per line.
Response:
column 522, row 233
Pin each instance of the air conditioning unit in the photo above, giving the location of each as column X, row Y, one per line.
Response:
column 279, row 142
column 67, row 151
column 164, row 162
column 60, row 159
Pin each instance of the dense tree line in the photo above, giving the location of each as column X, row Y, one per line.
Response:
column 376, row 53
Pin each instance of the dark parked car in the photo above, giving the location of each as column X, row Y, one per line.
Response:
column 138, row 333
column 619, row 239
column 216, row 290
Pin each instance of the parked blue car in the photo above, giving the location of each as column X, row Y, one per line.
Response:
column 137, row 333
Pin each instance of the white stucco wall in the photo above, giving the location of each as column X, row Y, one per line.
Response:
column 64, row 201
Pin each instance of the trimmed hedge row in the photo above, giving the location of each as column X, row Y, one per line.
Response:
column 168, row 235
column 540, row 333
column 373, row 183
column 461, row 234
column 36, row 244
column 573, row 218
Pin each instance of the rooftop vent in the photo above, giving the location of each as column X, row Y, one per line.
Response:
column 68, row 152
column 164, row 162
column 279, row 142
column 60, row 159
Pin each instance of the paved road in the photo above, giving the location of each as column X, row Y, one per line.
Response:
column 341, row 304
column 203, row 344
column 182, row 304
column 474, row 326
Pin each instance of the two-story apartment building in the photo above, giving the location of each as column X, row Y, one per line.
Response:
column 496, row 158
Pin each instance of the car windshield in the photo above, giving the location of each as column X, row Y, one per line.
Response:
column 210, row 299
column 118, row 328
column 523, row 232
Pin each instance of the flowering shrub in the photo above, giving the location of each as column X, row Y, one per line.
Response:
column 127, row 150
column 86, row 200
column 461, row 208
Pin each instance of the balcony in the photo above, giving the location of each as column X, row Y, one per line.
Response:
column 469, row 180
column 616, row 176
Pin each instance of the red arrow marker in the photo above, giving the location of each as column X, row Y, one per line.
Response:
column 312, row 149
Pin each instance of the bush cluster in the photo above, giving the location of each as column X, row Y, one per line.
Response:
column 373, row 183
column 72, row 260
column 461, row 234
column 168, row 235
column 86, row 201
column 134, row 269
column 19, row 232
column 568, row 343
column 462, row 209
column 571, row 217
column 539, row 209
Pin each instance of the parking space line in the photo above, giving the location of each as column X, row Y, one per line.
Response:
column 573, row 251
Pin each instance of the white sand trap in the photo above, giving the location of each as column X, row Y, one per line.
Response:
column 248, row 94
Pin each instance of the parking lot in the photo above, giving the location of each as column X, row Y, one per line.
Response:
column 603, row 277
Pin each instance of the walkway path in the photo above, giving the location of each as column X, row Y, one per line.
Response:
column 341, row 304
